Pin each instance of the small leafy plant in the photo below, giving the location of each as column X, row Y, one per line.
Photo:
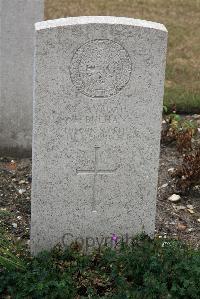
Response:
column 146, row 269
column 178, row 130
column 187, row 174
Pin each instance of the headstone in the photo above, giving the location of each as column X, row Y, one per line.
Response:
column 96, row 137
column 17, row 19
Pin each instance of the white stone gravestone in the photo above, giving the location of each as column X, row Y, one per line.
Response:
column 96, row 137
column 17, row 19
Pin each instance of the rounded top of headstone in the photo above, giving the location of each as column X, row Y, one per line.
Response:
column 70, row 21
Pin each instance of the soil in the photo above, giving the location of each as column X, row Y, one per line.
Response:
column 176, row 220
column 180, row 220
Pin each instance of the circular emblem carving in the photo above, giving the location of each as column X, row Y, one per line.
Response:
column 100, row 68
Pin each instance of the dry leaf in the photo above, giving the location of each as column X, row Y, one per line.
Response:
column 181, row 226
column 190, row 207
column 11, row 166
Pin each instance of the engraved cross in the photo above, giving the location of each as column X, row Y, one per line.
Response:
column 95, row 172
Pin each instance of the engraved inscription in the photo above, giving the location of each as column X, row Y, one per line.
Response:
column 95, row 172
column 100, row 68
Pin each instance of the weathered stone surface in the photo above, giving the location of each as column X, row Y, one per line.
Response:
column 97, row 119
column 17, row 19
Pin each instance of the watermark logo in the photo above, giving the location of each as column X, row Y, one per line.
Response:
column 89, row 243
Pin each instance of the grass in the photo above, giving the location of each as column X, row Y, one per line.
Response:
column 146, row 269
column 181, row 18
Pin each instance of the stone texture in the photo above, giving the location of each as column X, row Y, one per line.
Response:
column 97, row 120
column 17, row 19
